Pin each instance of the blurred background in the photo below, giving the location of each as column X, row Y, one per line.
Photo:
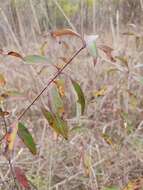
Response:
column 28, row 18
column 105, row 146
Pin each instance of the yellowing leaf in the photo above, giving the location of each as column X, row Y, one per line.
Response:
column 133, row 100
column 80, row 94
column 108, row 139
column 100, row 92
column 35, row 59
column 63, row 32
column 57, row 101
column 11, row 136
column 87, row 163
column 136, row 184
column 123, row 59
column 42, row 48
column 56, row 122
column 2, row 80
column 60, row 87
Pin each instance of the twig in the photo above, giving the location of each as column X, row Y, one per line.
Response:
column 54, row 77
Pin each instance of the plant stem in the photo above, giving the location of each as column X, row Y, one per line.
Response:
column 54, row 77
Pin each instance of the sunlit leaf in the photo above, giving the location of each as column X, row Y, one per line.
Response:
column 2, row 80
column 80, row 94
column 35, row 59
column 57, row 123
column 27, row 138
column 91, row 46
column 21, row 178
column 63, row 32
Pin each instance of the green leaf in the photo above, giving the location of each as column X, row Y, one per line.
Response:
column 57, row 123
column 49, row 116
column 61, row 126
column 111, row 188
column 80, row 94
column 35, row 59
column 27, row 138
column 57, row 102
column 91, row 45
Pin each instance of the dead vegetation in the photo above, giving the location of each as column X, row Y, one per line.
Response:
column 104, row 148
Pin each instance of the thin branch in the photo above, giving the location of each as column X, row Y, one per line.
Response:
column 51, row 81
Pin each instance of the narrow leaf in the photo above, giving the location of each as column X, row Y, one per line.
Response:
column 63, row 32
column 49, row 116
column 35, row 59
column 108, row 51
column 27, row 138
column 3, row 113
column 111, row 188
column 61, row 126
column 91, row 45
column 15, row 54
column 21, row 178
column 80, row 95
column 11, row 136
column 57, row 123
column 2, row 80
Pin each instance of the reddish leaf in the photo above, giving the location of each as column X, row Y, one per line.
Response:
column 11, row 136
column 108, row 51
column 15, row 54
column 63, row 32
column 2, row 80
column 94, row 61
column 21, row 178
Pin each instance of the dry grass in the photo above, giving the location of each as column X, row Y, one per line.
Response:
column 109, row 160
